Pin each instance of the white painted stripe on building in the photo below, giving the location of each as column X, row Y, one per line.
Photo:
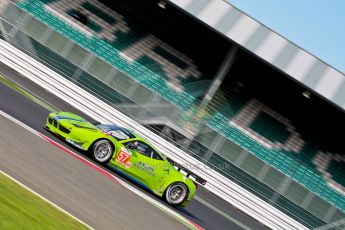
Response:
column 182, row 3
column 243, row 30
column 214, row 12
column 271, row 47
column 329, row 83
column 300, row 65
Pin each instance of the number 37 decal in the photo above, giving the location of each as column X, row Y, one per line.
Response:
column 123, row 158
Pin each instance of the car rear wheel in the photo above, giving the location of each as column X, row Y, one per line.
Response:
column 176, row 193
column 102, row 151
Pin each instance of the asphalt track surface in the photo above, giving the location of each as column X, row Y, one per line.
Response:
column 81, row 190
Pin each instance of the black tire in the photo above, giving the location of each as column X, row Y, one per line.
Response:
column 176, row 193
column 102, row 151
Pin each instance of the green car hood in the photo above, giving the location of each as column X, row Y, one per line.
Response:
column 68, row 119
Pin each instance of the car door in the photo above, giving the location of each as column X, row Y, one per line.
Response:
column 127, row 160
column 161, row 171
column 145, row 164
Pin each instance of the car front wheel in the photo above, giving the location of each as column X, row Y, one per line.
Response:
column 176, row 193
column 102, row 151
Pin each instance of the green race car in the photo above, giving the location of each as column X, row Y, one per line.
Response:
column 127, row 153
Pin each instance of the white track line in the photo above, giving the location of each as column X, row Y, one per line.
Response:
column 45, row 199
column 212, row 207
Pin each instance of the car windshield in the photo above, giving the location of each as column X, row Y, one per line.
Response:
column 118, row 133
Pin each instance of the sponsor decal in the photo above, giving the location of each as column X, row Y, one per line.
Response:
column 74, row 144
column 58, row 117
column 128, row 164
column 144, row 167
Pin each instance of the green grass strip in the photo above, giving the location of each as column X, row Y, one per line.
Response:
column 26, row 94
column 21, row 209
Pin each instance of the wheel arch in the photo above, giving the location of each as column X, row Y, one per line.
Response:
column 99, row 139
column 175, row 182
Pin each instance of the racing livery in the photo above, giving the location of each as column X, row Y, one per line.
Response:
column 127, row 153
